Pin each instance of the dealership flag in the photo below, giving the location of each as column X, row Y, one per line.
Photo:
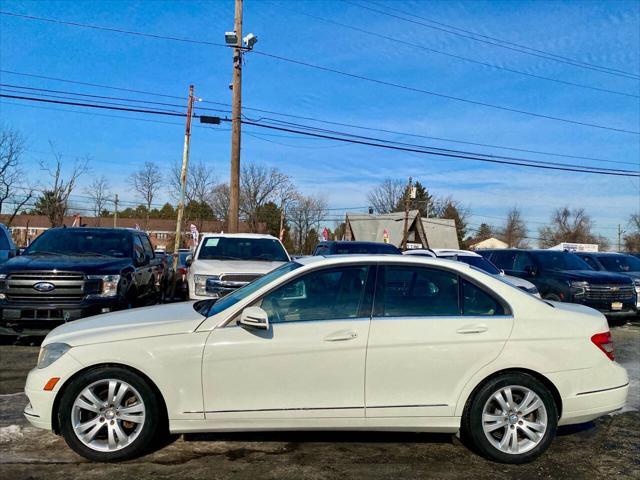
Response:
column 325, row 234
column 194, row 234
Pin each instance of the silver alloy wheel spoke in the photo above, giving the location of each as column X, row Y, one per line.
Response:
column 514, row 419
column 108, row 415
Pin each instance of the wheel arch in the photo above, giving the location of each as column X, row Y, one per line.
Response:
column 55, row 417
column 555, row 393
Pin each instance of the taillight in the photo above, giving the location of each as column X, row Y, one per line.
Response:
column 182, row 271
column 604, row 342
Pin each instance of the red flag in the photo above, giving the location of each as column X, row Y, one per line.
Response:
column 325, row 234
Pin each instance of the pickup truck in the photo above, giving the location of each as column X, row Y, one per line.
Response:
column 71, row 273
column 224, row 262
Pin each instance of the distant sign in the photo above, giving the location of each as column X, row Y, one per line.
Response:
column 576, row 247
column 414, row 246
column 385, row 236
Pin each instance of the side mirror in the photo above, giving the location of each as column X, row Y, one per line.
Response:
column 254, row 317
column 188, row 261
column 502, row 272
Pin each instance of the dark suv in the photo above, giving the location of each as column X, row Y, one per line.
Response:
column 350, row 248
column 562, row 276
column 71, row 273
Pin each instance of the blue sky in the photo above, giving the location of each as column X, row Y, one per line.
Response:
column 602, row 33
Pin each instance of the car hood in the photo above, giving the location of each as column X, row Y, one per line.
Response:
column 65, row 262
column 216, row 267
column 159, row 320
column 593, row 276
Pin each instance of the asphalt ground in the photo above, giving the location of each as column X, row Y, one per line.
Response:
column 606, row 448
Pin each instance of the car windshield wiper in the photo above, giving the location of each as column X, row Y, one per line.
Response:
column 90, row 254
column 261, row 258
column 43, row 252
column 222, row 257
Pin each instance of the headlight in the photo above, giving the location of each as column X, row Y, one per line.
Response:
column 109, row 284
column 200, row 284
column 578, row 288
column 50, row 353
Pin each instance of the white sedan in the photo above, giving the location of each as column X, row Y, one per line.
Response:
column 345, row 343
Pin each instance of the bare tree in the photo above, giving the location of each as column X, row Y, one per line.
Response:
column 632, row 237
column 147, row 181
column 99, row 193
column 200, row 182
column 570, row 226
column 55, row 201
column 220, row 198
column 387, row 196
column 305, row 215
column 260, row 184
column 514, row 231
column 13, row 191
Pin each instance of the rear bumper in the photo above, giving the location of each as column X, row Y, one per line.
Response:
column 587, row 406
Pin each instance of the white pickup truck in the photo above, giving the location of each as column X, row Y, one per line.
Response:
column 224, row 262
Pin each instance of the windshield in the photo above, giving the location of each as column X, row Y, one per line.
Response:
column 561, row 261
column 232, row 248
column 479, row 262
column 81, row 241
column 239, row 294
column 620, row 263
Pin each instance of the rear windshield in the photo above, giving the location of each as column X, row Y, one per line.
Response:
column 80, row 241
column 365, row 248
column 620, row 263
column 479, row 262
column 230, row 248
column 560, row 261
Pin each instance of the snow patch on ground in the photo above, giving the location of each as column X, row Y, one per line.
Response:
column 10, row 433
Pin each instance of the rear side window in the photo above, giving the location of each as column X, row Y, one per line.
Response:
column 322, row 250
column 476, row 301
column 592, row 263
column 408, row 291
column 503, row 260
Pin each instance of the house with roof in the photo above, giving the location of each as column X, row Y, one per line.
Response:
column 389, row 228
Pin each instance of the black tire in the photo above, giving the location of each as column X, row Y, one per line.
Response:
column 552, row 297
column 152, row 427
column 472, row 431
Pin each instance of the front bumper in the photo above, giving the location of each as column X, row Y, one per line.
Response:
column 628, row 309
column 38, row 319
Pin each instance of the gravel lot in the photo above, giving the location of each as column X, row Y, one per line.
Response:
column 610, row 447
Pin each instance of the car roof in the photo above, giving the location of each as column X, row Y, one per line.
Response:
column 239, row 235
column 354, row 242
column 393, row 259
column 453, row 251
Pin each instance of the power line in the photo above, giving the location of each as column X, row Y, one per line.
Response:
column 339, row 72
column 420, row 150
column 441, row 95
column 301, row 117
column 503, row 44
column 458, row 57
column 373, row 142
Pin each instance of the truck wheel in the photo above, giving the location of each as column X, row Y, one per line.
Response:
column 109, row 414
column 512, row 418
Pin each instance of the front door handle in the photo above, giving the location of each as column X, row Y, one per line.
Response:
column 341, row 336
column 472, row 329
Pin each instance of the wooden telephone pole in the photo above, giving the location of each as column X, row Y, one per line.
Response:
column 236, row 117
column 183, row 186
column 407, row 200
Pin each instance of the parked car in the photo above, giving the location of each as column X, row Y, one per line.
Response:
column 71, row 273
column 350, row 248
column 8, row 249
column 622, row 263
column 181, row 289
column 225, row 262
column 477, row 261
column 445, row 348
column 561, row 276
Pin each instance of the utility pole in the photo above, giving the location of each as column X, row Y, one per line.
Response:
column 620, row 232
column 115, row 212
column 406, row 215
column 183, row 185
column 236, row 112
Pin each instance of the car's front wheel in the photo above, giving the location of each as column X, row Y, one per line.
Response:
column 109, row 414
column 512, row 418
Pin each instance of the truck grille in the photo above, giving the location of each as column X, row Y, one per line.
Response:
column 239, row 277
column 610, row 292
column 68, row 287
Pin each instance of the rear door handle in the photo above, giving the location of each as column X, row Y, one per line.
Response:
column 341, row 336
column 472, row 329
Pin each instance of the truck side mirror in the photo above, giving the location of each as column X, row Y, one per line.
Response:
column 189, row 260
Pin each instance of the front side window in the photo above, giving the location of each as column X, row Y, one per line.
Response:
column 503, row 260
column 476, row 301
column 408, row 291
column 592, row 263
column 523, row 262
column 335, row 293
column 148, row 249
column 620, row 263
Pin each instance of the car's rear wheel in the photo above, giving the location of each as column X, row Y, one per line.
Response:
column 511, row 418
column 109, row 414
